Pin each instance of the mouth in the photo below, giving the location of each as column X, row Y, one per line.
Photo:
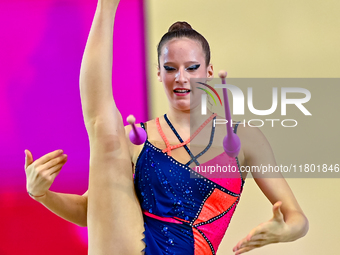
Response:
column 182, row 91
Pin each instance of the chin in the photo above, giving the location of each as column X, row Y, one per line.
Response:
column 183, row 106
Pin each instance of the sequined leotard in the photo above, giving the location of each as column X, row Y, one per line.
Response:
column 182, row 214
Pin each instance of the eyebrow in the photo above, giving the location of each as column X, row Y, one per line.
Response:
column 189, row 62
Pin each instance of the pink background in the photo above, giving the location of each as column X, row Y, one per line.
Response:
column 42, row 43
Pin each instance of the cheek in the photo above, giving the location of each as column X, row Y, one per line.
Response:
column 168, row 79
column 198, row 94
column 204, row 72
column 201, row 73
column 167, row 84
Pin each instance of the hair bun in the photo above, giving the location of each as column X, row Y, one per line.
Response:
column 180, row 25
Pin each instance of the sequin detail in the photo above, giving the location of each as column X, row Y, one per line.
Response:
column 203, row 206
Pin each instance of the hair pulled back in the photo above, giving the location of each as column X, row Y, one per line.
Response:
column 183, row 29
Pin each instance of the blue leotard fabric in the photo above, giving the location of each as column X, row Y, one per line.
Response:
column 184, row 211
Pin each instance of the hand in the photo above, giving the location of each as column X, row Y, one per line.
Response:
column 272, row 231
column 41, row 173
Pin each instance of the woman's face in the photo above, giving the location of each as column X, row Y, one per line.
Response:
column 182, row 59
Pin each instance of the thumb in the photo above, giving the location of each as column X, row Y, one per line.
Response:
column 28, row 158
column 276, row 210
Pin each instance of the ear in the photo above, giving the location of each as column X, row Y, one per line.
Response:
column 210, row 71
column 159, row 74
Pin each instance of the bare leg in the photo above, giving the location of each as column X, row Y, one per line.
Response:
column 115, row 222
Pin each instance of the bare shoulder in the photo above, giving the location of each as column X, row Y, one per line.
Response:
column 255, row 146
column 250, row 134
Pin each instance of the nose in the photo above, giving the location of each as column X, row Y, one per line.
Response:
column 181, row 76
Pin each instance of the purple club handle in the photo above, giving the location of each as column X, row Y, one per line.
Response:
column 137, row 135
column 231, row 142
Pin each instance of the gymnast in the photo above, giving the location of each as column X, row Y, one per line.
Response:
column 142, row 199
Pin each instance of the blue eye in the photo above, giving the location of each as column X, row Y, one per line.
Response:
column 193, row 67
column 169, row 68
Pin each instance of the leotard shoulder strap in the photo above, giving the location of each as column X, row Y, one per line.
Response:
column 169, row 147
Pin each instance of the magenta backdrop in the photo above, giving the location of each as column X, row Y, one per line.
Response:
column 42, row 43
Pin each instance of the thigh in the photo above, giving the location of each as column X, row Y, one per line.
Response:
column 115, row 221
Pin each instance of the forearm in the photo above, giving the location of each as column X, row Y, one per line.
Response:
column 96, row 68
column 298, row 226
column 70, row 207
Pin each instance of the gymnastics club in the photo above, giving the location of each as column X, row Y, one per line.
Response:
column 231, row 142
column 137, row 135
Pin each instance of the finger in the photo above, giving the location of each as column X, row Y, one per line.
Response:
column 53, row 168
column 254, row 243
column 55, row 161
column 54, row 171
column 254, row 240
column 277, row 210
column 42, row 160
column 256, row 231
column 239, row 244
column 245, row 249
column 258, row 237
column 28, row 158
column 55, row 174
